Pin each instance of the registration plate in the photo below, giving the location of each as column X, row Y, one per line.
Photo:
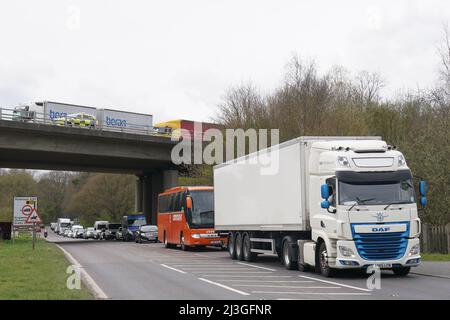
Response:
column 216, row 242
column 383, row 265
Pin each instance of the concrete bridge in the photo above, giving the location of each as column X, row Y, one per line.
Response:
column 48, row 147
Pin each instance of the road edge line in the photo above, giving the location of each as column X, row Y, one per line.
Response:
column 92, row 286
column 430, row 275
column 172, row 268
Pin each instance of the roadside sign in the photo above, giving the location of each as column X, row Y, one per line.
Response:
column 34, row 218
column 23, row 208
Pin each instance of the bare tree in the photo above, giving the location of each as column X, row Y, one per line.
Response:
column 368, row 86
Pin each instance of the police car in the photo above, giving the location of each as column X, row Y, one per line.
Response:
column 77, row 120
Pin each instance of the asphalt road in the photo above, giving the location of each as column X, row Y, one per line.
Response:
column 126, row 270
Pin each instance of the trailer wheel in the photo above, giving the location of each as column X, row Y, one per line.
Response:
column 238, row 244
column 287, row 254
column 324, row 268
column 232, row 245
column 249, row 256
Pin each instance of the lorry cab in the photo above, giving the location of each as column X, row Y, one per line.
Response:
column 363, row 206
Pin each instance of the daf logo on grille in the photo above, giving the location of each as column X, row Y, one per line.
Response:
column 380, row 216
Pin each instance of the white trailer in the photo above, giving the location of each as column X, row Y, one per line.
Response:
column 322, row 202
column 47, row 111
column 117, row 120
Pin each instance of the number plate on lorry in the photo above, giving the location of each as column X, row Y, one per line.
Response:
column 383, row 265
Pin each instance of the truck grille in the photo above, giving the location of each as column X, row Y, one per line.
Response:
column 381, row 246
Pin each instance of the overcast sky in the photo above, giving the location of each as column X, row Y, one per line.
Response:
column 175, row 59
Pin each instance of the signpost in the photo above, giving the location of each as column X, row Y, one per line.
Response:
column 26, row 215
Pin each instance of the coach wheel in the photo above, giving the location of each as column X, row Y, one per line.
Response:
column 184, row 247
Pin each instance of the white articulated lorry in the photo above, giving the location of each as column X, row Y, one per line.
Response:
column 327, row 203
column 108, row 119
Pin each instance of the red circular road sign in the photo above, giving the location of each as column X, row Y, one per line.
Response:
column 27, row 210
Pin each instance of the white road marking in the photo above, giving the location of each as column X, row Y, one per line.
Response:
column 171, row 268
column 231, row 272
column 259, row 267
column 89, row 282
column 290, row 287
column 336, row 283
column 318, row 293
column 225, row 287
column 236, row 276
column 271, row 281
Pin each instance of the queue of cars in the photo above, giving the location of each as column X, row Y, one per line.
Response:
column 133, row 227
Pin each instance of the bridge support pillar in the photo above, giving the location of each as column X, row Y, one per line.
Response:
column 138, row 195
column 148, row 187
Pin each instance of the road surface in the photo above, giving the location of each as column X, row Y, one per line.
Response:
column 126, row 270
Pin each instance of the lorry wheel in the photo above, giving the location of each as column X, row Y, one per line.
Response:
column 238, row 244
column 288, row 255
column 249, row 256
column 324, row 268
column 401, row 271
column 232, row 245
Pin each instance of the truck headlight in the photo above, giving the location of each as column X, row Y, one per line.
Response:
column 415, row 250
column 401, row 161
column 343, row 161
column 346, row 251
column 196, row 236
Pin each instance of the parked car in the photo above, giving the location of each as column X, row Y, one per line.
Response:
column 89, row 233
column 111, row 230
column 147, row 233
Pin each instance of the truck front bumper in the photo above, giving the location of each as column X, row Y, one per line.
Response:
column 356, row 261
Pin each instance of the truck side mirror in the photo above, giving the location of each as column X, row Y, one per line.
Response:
column 188, row 202
column 422, row 186
column 423, row 201
column 325, row 204
column 324, row 191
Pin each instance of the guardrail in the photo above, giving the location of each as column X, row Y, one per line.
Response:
column 39, row 117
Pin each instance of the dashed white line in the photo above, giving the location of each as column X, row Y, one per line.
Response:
column 254, row 266
column 289, row 287
column 237, row 276
column 171, row 268
column 336, row 283
column 317, row 293
column 264, row 281
column 225, row 287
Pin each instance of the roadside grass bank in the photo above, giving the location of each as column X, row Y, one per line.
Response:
column 35, row 275
column 435, row 257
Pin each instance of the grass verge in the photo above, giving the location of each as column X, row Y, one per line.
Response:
column 435, row 257
column 35, row 275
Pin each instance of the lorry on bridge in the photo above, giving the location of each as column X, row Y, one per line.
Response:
column 49, row 112
column 326, row 203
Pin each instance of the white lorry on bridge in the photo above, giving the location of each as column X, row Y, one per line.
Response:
column 48, row 112
column 329, row 203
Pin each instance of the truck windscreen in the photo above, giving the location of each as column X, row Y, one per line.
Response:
column 376, row 193
column 202, row 213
